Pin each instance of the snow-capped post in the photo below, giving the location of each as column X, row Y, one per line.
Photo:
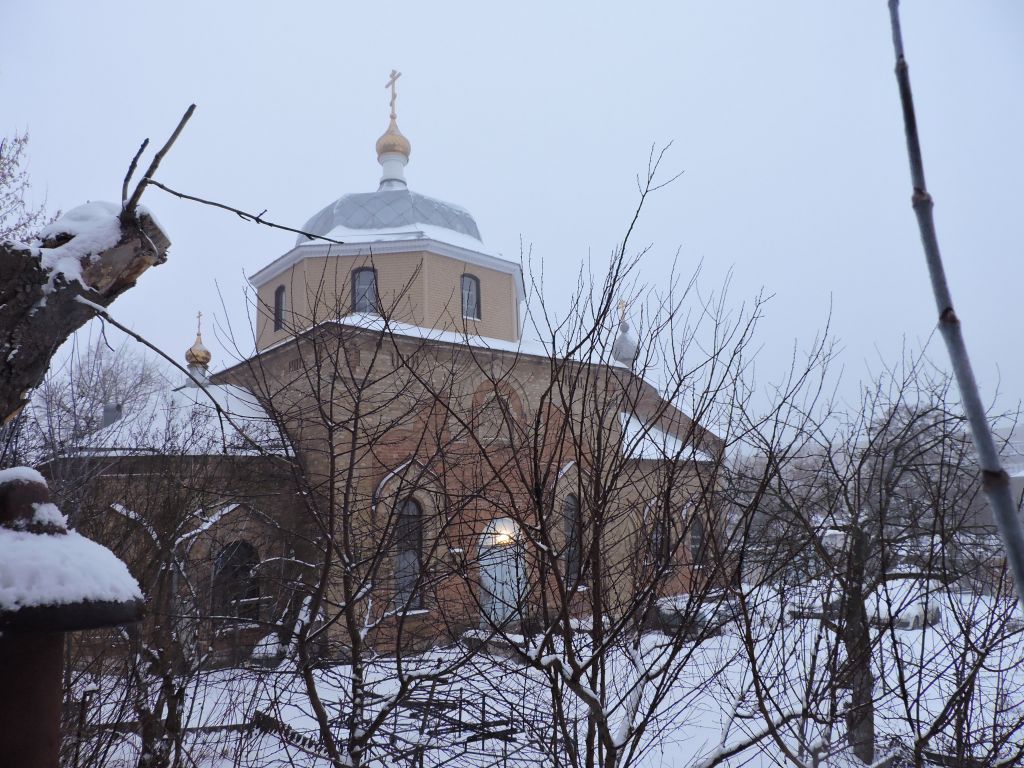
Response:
column 52, row 581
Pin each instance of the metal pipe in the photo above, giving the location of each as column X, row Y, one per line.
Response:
column 31, row 664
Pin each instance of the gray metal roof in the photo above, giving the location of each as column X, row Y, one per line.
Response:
column 389, row 209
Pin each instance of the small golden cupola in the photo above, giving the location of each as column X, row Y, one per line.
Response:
column 198, row 356
column 393, row 149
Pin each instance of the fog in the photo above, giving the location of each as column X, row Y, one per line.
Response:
column 783, row 118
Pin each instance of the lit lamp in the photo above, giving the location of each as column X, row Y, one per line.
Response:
column 501, row 532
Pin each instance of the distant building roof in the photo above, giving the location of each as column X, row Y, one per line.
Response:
column 186, row 422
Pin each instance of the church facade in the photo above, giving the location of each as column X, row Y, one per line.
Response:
column 452, row 464
column 421, row 466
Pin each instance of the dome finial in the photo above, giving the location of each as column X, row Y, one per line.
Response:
column 198, row 356
column 625, row 348
column 392, row 81
column 393, row 149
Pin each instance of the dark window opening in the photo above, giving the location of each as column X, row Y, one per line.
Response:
column 236, row 587
column 364, row 291
column 409, row 556
column 658, row 544
column 279, row 308
column 471, row 297
column 697, row 543
column 573, row 541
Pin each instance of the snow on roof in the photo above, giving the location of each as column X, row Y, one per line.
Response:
column 390, row 209
column 643, row 441
column 376, row 323
column 417, row 231
column 185, row 421
column 59, row 569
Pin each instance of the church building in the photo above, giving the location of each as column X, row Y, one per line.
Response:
column 421, row 465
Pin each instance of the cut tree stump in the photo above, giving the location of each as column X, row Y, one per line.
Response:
column 40, row 309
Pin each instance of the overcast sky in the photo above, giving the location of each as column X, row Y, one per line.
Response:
column 536, row 117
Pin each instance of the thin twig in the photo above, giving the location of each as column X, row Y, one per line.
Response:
column 995, row 481
column 131, row 170
column 256, row 218
column 128, row 212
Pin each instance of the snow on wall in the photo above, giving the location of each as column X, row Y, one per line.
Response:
column 48, row 514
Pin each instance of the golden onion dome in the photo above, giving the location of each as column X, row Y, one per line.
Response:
column 198, row 354
column 392, row 140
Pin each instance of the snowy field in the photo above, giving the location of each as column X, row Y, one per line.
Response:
column 496, row 712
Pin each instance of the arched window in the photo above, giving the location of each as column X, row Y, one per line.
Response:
column 697, row 543
column 408, row 555
column 471, row 297
column 364, row 290
column 573, row 540
column 658, row 543
column 490, row 421
column 279, row 308
column 236, row 587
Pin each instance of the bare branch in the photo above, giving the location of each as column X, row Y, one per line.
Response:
column 256, row 218
column 128, row 211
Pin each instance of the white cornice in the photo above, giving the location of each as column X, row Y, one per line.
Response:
column 352, row 250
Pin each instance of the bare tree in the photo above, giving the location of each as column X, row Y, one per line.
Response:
column 549, row 505
column 159, row 479
column 18, row 220
column 889, row 623
column 92, row 387
column 564, row 496
column 360, row 402
column 658, row 542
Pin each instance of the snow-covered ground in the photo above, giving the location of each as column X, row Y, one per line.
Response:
column 493, row 711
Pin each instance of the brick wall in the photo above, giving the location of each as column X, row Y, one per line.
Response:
column 453, row 477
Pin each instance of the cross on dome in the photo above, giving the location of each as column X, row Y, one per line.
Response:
column 392, row 206
column 393, row 149
column 392, row 79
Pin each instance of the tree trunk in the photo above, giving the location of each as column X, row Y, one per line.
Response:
column 37, row 315
column 860, row 717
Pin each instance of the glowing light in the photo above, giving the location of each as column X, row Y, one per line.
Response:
column 501, row 532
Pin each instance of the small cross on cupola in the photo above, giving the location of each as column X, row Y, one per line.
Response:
column 393, row 149
column 198, row 356
column 392, row 80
